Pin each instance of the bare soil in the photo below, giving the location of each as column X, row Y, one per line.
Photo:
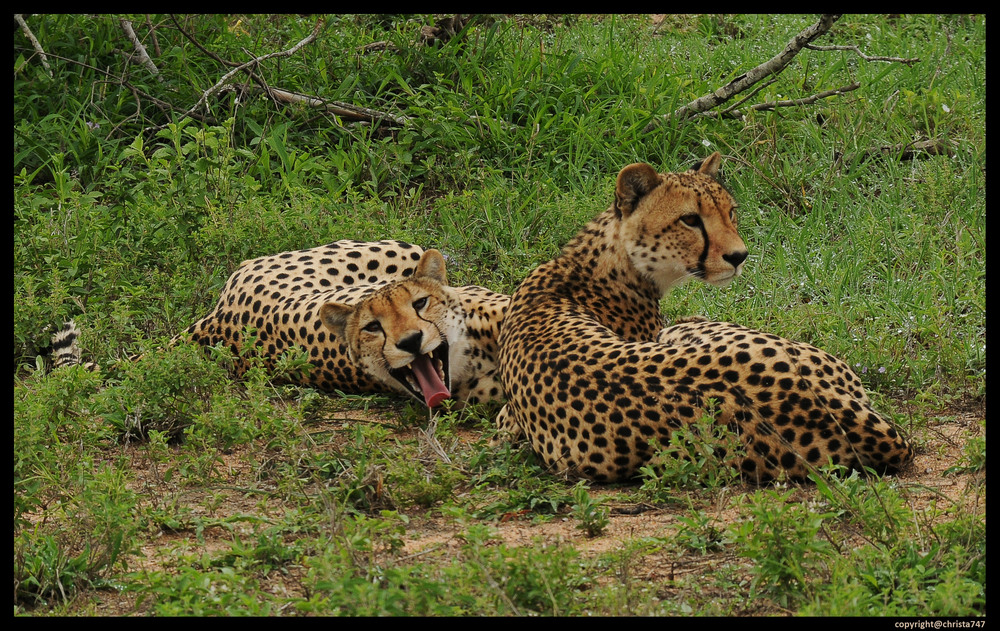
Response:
column 429, row 535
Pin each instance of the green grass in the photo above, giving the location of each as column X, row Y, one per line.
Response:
column 163, row 487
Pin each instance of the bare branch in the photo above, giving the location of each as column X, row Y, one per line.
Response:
column 905, row 151
column 771, row 67
column 34, row 42
column 344, row 110
column 198, row 44
column 226, row 78
column 807, row 100
column 140, row 50
column 152, row 34
column 857, row 50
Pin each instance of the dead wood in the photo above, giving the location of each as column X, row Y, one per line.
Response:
column 771, row 67
column 34, row 42
column 903, row 151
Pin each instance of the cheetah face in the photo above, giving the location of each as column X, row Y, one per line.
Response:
column 679, row 226
column 410, row 335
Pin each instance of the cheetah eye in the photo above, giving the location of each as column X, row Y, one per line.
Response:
column 419, row 303
column 693, row 220
column 372, row 327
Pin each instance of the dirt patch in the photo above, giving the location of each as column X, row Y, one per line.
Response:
column 245, row 492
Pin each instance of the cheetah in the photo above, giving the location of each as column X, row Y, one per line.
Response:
column 278, row 300
column 280, row 296
column 413, row 335
column 592, row 381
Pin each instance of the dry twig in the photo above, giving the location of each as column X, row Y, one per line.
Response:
column 432, row 441
column 140, row 50
column 227, row 78
column 34, row 42
column 772, row 66
column 902, row 60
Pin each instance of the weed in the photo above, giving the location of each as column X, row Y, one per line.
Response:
column 910, row 580
column 783, row 539
column 866, row 504
column 700, row 533
column 536, row 579
column 592, row 516
column 697, row 456
column 165, row 391
column 973, row 454
column 196, row 592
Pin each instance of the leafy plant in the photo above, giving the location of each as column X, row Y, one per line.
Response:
column 698, row 455
column 592, row 516
column 783, row 539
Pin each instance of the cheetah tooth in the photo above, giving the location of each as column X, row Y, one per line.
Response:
column 411, row 379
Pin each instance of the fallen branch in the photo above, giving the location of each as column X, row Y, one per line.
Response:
column 140, row 50
column 903, row 151
column 343, row 110
column 34, row 42
column 772, row 66
column 226, row 78
column 900, row 60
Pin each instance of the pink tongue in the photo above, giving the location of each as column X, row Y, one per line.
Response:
column 430, row 384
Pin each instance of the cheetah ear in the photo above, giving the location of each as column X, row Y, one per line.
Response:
column 709, row 166
column 432, row 265
column 634, row 181
column 334, row 315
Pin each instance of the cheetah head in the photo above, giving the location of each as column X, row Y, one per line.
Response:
column 678, row 226
column 409, row 335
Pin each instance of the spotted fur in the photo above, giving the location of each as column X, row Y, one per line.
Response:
column 590, row 378
column 279, row 298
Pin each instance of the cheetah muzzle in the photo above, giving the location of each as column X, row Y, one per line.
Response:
column 411, row 334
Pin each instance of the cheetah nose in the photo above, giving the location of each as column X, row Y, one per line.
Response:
column 411, row 343
column 736, row 258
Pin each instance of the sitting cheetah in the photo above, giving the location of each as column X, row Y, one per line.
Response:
column 279, row 297
column 589, row 377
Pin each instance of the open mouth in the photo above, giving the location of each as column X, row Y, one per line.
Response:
column 427, row 376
